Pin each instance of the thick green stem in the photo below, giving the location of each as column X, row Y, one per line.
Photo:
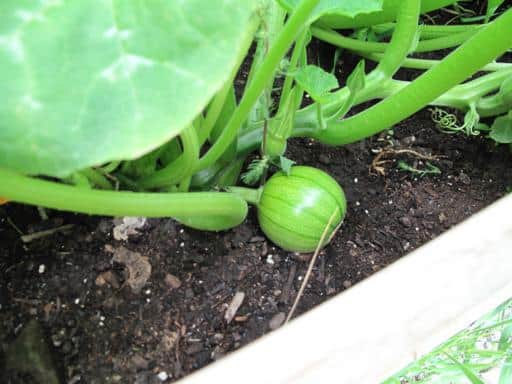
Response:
column 180, row 168
column 279, row 129
column 338, row 40
column 97, row 178
column 483, row 85
column 395, row 53
column 402, row 39
column 250, row 195
column 443, row 42
column 320, row 116
column 458, row 97
column 436, row 44
column 435, row 31
column 261, row 79
column 492, row 106
column 429, row 31
column 226, row 210
column 427, row 63
column 298, row 49
column 487, row 44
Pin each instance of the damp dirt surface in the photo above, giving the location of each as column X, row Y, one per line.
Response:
column 103, row 328
column 170, row 300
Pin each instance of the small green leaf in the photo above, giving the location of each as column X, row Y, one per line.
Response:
column 356, row 80
column 506, row 372
column 501, row 130
column 285, row 164
column 316, row 82
column 255, row 171
column 337, row 7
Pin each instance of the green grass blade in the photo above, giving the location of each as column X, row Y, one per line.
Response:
column 472, row 376
column 506, row 372
column 505, row 339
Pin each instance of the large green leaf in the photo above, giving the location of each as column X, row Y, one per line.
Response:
column 349, row 8
column 83, row 82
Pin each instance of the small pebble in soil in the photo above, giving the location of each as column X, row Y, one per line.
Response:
column 324, row 159
column 277, row 320
column 464, row 178
column 347, row 284
column 194, row 348
column 41, row 269
column 168, row 340
column 172, row 281
column 163, row 376
column 405, row 221
column 270, row 259
column 139, row 362
column 75, row 379
column 409, row 140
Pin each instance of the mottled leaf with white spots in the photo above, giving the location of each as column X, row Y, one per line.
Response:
column 86, row 82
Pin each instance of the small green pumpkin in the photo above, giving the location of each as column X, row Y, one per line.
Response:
column 295, row 209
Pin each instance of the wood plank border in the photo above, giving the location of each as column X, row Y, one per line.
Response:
column 377, row 327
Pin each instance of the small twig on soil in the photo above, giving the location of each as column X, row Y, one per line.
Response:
column 285, row 295
column 430, row 18
column 42, row 213
column 26, row 301
column 39, row 235
column 233, row 306
column 311, row 264
column 13, row 225
column 377, row 166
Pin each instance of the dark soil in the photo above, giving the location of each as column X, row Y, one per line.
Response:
column 101, row 329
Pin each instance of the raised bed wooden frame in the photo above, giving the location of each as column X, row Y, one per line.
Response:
column 372, row 330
